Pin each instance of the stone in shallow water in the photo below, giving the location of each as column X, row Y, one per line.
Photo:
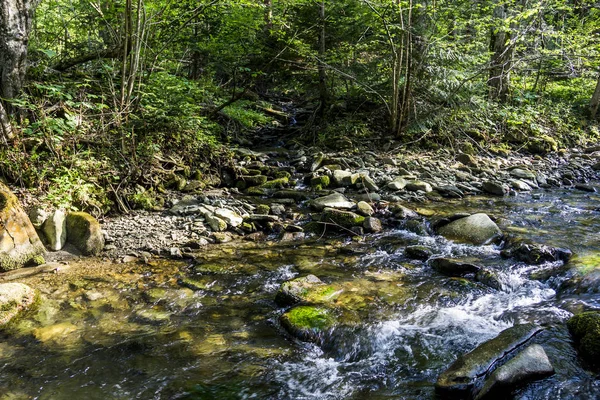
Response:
column 307, row 289
column 531, row 364
column 418, row 252
column 536, row 253
column 418, row 185
column 495, row 188
column 14, row 298
column 308, row 323
column 476, row 229
column 451, row 267
column 585, row 328
column 345, row 219
column 462, row 376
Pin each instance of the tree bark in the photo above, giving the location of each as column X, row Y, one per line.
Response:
column 322, row 72
column 16, row 18
column 501, row 61
column 595, row 102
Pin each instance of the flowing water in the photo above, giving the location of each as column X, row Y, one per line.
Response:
column 210, row 330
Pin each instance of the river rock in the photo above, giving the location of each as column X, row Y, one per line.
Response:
column 230, row 217
column 522, row 174
column 397, row 184
column 365, row 208
column 368, row 183
column 416, row 186
column 334, row 200
column 462, row 376
column 14, row 298
column 340, row 177
column 55, row 230
column 476, row 229
column 216, row 223
column 372, row 225
column 531, row 364
column 489, row 278
column 296, row 290
column 19, row 242
column 418, row 252
column 495, row 188
column 83, row 232
column 536, row 253
column 308, row 323
column 452, row 267
column 585, row 328
column 345, row 219
column 37, row 216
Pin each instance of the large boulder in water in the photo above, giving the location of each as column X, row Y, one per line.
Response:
column 83, row 232
column 465, row 373
column 308, row 323
column 531, row 364
column 19, row 242
column 475, row 229
column 585, row 328
column 536, row 253
column 14, row 298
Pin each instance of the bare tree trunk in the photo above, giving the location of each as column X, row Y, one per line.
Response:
column 595, row 102
column 16, row 18
column 322, row 73
column 501, row 61
column 268, row 15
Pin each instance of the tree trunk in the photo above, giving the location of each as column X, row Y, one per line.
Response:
column 268, row 15
column 16, row 18
column 501, row 61
column 595, row 102
column 322, row 73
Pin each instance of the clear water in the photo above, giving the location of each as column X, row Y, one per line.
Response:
column 128, row 331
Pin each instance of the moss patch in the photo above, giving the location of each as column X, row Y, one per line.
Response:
column 304, row 318
column 585, row 328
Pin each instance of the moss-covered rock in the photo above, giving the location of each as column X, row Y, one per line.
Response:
column 278, row 183
column 320, row 181
column 307, row 289
column 345, row 219
column 585, row 328
column 256, row 191
column 308, row 323
column 250, row 180
column 15, row 298
column 19, row 242
column 83, row 232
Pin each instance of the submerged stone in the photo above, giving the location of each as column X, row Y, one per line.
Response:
column 418, row 252
column 296, row 290
column 585, row 328
column 476, row 229
column 308, row 323
column 531, row 364
column 536, row 253
column 462, row 376
column 14, row 298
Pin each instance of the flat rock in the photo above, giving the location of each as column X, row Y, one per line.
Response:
column 462, row 376
column 495, row 188
column 416, row 186
column 476, row 229
column 529, row 365
column 397, row 184
column 334, row 200
column 452, row 267
column 230, row 217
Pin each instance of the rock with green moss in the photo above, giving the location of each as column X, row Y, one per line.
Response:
column 585, row 328
column 296, row 195
column 19, row 241
column 256, row 191
column 308, row 323
column 307, row 289
column 250, row 180
column 83, row 232
column 282, row 174
column 14, row 299
column 320, row 181
column 345, row 219
column 278, row 183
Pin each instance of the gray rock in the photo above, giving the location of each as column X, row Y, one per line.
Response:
column 84, row 232
column 462, row 376
column 397, row 184
column 345, row 219
column 520, row 185
column 531, row 364
column 495, row 188
column 368, row 197
column 340, row 176
column 585, row 188
column 418, row 252
column 402, row 212
column 522, row 173
column 365, row 208
column 536, row 253
column 230, row 217
column 372, row 224
column 37, row 216
column 334, row 200
column 55, row 230
column 368, row 183
column 476, row 229
column 216, row 223
column 418, row 185
column 452, row 267
column 489, row 278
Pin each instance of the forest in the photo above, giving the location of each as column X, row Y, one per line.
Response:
column 98, row 96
